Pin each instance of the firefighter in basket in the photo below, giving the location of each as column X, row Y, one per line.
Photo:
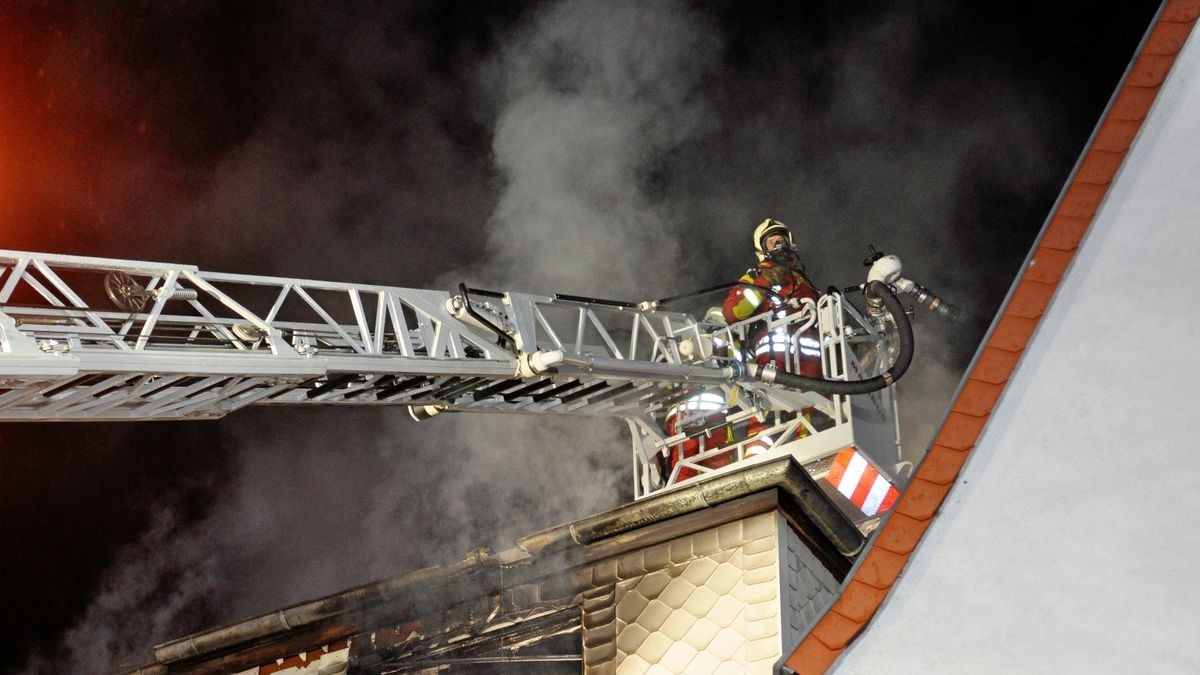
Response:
column 701, row 416
column 780, row 275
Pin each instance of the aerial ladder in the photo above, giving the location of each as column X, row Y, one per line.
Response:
column 85, row 338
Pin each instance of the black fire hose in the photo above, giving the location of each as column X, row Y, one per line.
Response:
column 719, row 287
column 502, row 338
column 878, row 289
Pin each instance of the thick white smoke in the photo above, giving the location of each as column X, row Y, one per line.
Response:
column 628, row 159
column 591, row 96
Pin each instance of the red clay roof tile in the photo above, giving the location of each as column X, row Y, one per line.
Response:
column 1048, row 265
column 1082, row 199
column 880, row 568
column 1031, row 298
column 1133, row 103
column 944, row 464
column 1167, row 37
column 838, row 630
column 1116, row 135
column 858, row 601
column 812, row 657
column 960, row 431
column 1065, row 232
column 1012, row 333
column 1180, row 10
column 901, row 534
column 977, row 397
column 995, row 365
column 921, row 499
column 1151, row 70
column 1099, row 167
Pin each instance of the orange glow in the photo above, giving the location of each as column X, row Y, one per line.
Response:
column 51, row 139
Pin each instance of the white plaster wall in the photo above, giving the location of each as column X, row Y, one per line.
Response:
column 1070, row 543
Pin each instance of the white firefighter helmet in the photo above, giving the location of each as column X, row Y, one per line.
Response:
column 768, row 227
column 714, row 315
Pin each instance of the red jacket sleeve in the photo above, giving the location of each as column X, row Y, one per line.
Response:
column 742, row 302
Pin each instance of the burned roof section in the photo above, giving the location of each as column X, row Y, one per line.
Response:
column 527, row 604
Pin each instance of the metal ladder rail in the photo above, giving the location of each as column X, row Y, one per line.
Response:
column 243, row 353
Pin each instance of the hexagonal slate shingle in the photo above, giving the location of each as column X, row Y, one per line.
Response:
column 715, row 610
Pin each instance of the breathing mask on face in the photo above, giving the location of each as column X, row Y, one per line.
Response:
column 784, row 256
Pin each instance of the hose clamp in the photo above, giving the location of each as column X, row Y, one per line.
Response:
column 767, row 373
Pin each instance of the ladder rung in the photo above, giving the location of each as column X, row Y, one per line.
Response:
column 604, row 396
column 538, row 398
column 495, row 388
column 584, row 392
column 331, row 384
column 523, row 391
column 449, row 393
column 403, row 385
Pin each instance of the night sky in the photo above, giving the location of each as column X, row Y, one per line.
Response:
column 598, row 148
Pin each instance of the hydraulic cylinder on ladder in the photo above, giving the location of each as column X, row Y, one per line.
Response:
column 101, row 339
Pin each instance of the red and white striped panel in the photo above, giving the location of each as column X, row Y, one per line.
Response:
column 854, row 477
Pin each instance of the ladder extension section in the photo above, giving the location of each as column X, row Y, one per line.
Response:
column 86, row 338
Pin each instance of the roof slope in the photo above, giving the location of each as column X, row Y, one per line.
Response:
column 1113, row 326
column 544, row 570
